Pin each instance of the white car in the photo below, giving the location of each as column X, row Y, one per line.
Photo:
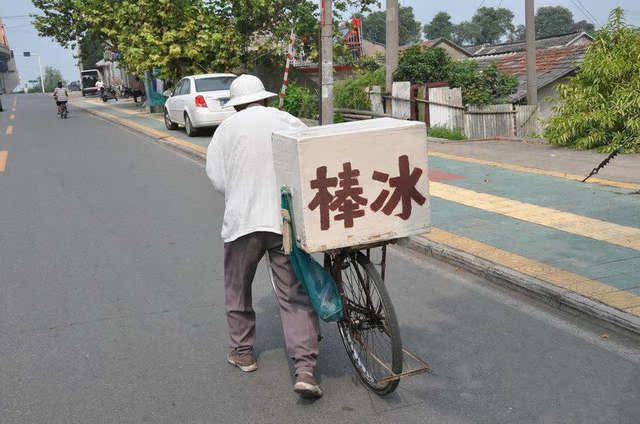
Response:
column 198, row 102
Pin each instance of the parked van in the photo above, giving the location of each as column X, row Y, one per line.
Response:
column 89, row 77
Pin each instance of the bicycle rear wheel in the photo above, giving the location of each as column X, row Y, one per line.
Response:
column 369, row 328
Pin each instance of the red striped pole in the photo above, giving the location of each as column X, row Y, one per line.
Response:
column 285, row 80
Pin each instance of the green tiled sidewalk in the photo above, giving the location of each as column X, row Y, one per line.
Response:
column 612, row 265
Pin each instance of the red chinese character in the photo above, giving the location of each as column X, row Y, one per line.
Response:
column 323, row 197
column 405, row 190
column 348, row 199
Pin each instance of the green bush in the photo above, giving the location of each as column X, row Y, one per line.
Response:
column 444, row 132
column 301, row 101
column 599, row 107
column 419, row 65
column 351, row 94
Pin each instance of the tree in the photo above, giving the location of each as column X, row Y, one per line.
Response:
column 583, row 26
column 598, row 108
column 419, row 65
column 410, row 29
column 553, row 20
column 439, row 27
column 91, row 50
column 374, row 26
column 60, row 20
column 519, row 34
column 488, row 25
column 466, row 33
column 51, row 78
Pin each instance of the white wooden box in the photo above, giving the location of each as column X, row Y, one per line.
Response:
column 355, row 183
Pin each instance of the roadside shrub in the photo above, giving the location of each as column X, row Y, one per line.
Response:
column 301, row 101
column 599, row 107
column 447, row 133
column 351, row 94
column 479, row 86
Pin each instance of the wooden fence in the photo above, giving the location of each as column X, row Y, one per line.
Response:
column 438, row 105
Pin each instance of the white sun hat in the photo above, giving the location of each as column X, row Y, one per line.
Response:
column 247, row 89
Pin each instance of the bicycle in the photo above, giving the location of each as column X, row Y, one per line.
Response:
column 62, row 110
column 369, row 328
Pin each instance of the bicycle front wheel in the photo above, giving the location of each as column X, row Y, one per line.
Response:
column 369, row 328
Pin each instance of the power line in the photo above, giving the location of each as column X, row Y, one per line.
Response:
column 15, row 16
column 588, row 11
column 587, row 14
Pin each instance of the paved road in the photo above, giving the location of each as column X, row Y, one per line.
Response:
column 111, row 309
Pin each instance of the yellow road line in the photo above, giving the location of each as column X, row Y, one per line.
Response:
column 9, row 130
column 151, row 131
column 142, row 128
column 593, row 289
column 574, row 177
column 564, row 221
column 192, row 146
column 3, row 160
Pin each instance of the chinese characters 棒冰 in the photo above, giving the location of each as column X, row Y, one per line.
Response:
column 349, row 200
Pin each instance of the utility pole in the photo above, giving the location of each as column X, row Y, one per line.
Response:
column 41, row 79
column 532, row 81
column 392, row 46
column 326, row 63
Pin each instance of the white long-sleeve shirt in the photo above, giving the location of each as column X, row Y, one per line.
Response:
column 240, row 165
column 60, row 94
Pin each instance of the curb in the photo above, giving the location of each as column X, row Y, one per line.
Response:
column 539, row 289
column 191, row 149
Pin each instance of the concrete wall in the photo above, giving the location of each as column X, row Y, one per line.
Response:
column 545, row 99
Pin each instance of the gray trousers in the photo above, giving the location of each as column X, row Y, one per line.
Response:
column 299, row 321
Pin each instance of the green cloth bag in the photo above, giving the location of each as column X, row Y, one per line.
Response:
column 317, row 282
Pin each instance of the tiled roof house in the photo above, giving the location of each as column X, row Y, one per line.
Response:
column 556, row 59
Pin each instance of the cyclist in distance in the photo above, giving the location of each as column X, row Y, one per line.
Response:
column 61, row 95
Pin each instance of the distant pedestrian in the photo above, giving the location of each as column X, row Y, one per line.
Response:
column 240, row 165
column 100, row 87
column 137, row 89
column 61, row 96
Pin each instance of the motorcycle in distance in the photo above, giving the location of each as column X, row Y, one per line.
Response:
column 107, row 93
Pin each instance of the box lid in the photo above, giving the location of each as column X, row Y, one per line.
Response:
column 379, row 124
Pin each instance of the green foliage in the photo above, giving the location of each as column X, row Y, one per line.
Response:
column 583, row 26
column 91, row 50
column 481, row 86
column 374, row 27
column 519, row 34
column 488, row 25
column 553, row 20
column 51, row 78
column 420, row 65
column 446, row 133
column 351, row 94
column 60, row 20
column 439, row 27
column 301, row 101
column 371, row 63
column 598, row 108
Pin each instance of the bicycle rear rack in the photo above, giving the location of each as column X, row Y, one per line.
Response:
column 418, row 366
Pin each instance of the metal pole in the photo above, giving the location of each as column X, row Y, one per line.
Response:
column 392, row 46
column 326, row 66
column 41, row 79
column 532, row 82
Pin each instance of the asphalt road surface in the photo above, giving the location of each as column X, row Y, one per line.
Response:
column 111, row 308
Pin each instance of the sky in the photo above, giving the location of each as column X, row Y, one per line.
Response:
column 23, row 37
